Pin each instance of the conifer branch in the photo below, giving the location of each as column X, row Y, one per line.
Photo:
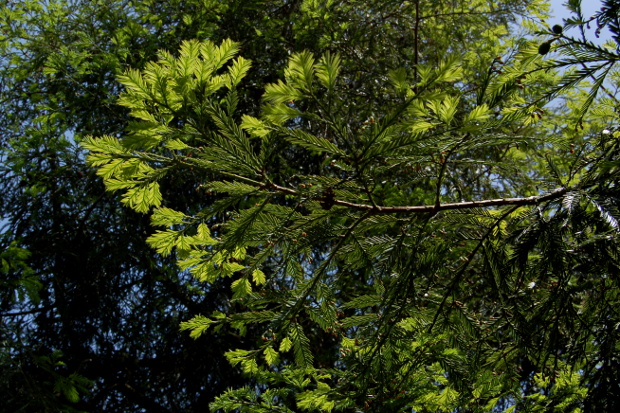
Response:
column 420, row 209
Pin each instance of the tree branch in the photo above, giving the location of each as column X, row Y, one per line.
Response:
column 532, row 200
column 419, row 209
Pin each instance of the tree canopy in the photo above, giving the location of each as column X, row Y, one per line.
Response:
column 343, row 206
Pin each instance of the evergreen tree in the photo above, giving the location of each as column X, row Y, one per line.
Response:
column 364, row 217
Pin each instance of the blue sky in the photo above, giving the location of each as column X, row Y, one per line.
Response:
column 559, row 10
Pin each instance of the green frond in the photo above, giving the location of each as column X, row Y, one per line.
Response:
column 113, row 184
column 164, row 241
column 176, row 145
column 201, row 268
column 165, row 59
column 359, row 320
column 237, row 71
column 225, row 51
column 232, row 188
column 255, row 317
column 103, row 145
column 418, row 127
column 479, row 114
column 135, row 83
column 143, row 197
column 227, row 269
column 203, row 236
column 594, row 90
column 399, row 79
column 327, row 70
column 189, row 53
column 241, row 288
column 254, row 126
column 300, row 71
column 310, row 142
column 447, row 71
column 271, row 355
column 301, row 346
column 501, row 89
column 197, row 325
column 239, row 356
column 277, row 93
column 218, row 56
column 316, row 400
column 259, row 277
column 363, row 302
column 446, row 109
column 280, row 113
column 119, row 168
column 285, row 345
column 147, row 135
column 167, row 217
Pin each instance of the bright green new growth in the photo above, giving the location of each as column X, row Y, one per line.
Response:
column 157, row 97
